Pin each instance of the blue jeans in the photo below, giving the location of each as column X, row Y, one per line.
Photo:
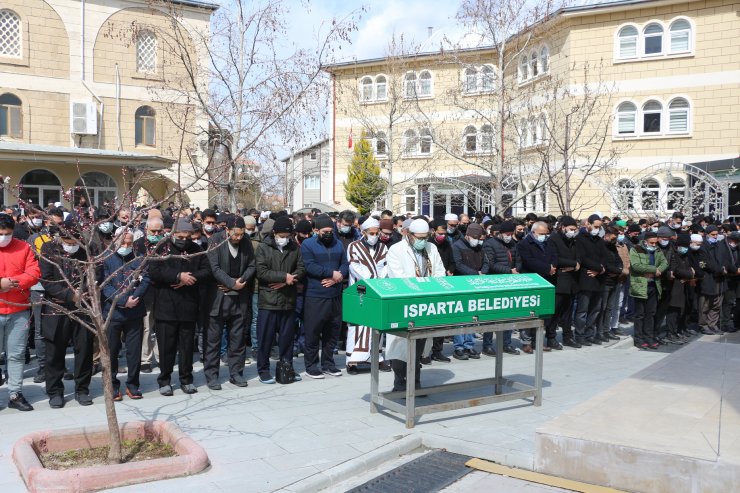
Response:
column 488, row 339
column 13, row 339
column 464, row 341
column 253, row 328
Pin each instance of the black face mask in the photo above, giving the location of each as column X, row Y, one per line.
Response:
column 327, row 238
column 180, row 244
column 519, row 235
column 462, row 228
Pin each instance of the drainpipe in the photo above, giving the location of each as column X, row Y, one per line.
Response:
column 82, row 70
column 334, row 139
column 118, row 108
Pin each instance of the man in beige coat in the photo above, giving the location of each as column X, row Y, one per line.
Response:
column 413, row 256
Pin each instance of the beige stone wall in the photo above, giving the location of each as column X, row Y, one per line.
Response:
column 45, row 116
column 45, row 47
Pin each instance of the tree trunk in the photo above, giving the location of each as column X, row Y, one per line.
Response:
column 115, row 455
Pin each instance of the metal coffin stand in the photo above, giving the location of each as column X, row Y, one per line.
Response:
column 411, row 411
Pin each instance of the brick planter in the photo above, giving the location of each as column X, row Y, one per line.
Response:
column 191, row 458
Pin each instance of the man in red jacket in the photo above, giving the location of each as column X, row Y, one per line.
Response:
column 19, row 270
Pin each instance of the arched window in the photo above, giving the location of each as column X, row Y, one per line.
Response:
column 486, row 139
column 410, row 142
column 10, row 34
column 381, row 88
column 425, row 83
column 471, row 139
column 544, row 135
column 533, row 66
column 651, row 117
column 410, row 196
column 523, row 133
column 410, row 85
column 11, row 116
column 676, row 194
column 487, row 78
column 649, row 191
column 680, row 33
column 97, row 187
column 366, row 89
column 532, row 127
column 626, row 118
column 381, row 144
column 545, row 59
column 523, row 68
column 625, row 195
column 40, row 187
column 146, row 52
column 653, row 42
column 627, row 40
column 678, row 116
column 471, row 80
column 425, row 143
column 146, row 125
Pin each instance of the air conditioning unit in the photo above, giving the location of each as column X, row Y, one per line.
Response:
column 83, row 118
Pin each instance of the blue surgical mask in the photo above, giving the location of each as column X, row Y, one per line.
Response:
column 720, row 237
column 620, row 238
column 712, row 240
column 541, row 238
column 683, row 250
column 153, row 238
column 344, row 229
column 105, row 227
column 124, row 251
column 420, row 244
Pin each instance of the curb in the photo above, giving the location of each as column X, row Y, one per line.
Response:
column 370, row 460
column 510, row 458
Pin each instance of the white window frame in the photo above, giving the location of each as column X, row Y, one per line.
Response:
column 378, row 84
column 410, row 80
column 642, row 130
column 544, row 67
column 419, row 79
column 645, row 36
column 313, row 155
column 618, row 113
column 482, row 139
column 366, row 83
column 19, row 34
column 380, row 137
column 425, row 135
column 666, row 51
column 689, row 32
column 312, row 182
column 670, row 111
column 470, row 74
column 139, row 39
column 618, row 42
column 407, row 136
column 523, row 68
column 534, row 64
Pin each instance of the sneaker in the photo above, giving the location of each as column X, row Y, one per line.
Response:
column 214, row 385
column 654, row 346
column 318, row 375
column 238, row 380
column 188, row 388
column 166, row 390
column 472, row 353
column 40, row 377
column 17, row 401
column 83, row 398
column 440, row 357
column 460, row 354
column 489, row 351
column 56, row 401
column 134, row 394
column 511, row 350
column 146, row 368
column 269, row 380
column 334, row 372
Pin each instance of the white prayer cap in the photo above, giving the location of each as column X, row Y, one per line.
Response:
column 370, row 222
column 419, row 226
column 375, row 214
column 451, row 217
column 57, row 204
column 697, row 238
column 265, row 215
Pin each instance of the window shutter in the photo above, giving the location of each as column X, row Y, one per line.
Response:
column 16, row 122
column 678, row 121
column 628, row 47
column 679, row 42
column 626, row 123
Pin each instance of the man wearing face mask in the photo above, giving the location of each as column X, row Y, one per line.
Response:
column 501, row 254
column 33, row 224
column 666, row 239
column 386, row 233
column 415, row 256
column 566, row 285
column 366, row 261
column 252, row 231
column 326, row 266
column 19, row 271
column 149, row 245
column 519, row 230
column 229, row 299
column 345, row 230
column 592, row 255
column 177, row 301
column 63, row 278
column 714, row 282
column 470, row 260
column 682, row 275
column 438, row 229
column 733, row 285
column 610, row 296
column 124, row 285
column 647, row 265
column 464, row 223
column 210, row 228
column 537, row 256
column 453, row 234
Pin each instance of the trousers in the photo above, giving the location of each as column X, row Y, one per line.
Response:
column 175, row 339
column 131, row 330
column 14, row 328
column 57, row 330
column 321, row 324
column 236, row 322
column 645, row 316
column 269, row 323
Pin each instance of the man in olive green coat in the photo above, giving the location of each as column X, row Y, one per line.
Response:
column 647, row 264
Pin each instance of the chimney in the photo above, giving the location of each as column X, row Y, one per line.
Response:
column 430, row 31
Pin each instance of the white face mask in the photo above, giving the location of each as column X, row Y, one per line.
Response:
column 595, row 231
column 694, row 247
column 571, row 234
column 208, row 228
column 70, row 249
column 720, row 237
column 664, row 242
column 506, row 238
column 654, row 230
column 372, row 240
column 37, row 222
column 474, row 243
column 281, row 242
column 5, row 240
column 125, row 251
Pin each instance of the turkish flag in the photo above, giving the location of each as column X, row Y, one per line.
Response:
column 349, row 141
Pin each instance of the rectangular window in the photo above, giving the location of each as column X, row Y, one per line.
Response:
column 653, row 45
column 145, row 131
column 11, row 123
column 678, row 121
column 411, row 203
column 651, row 123
column 626, row 123
column 628, row 47
column 312, row 156
column 382, row 94
column 312, row 182
column 679, row 41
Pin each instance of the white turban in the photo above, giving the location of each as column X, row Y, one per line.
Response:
column 451, row 217
column 419, row 226
column 370, row 222
column 697, row 238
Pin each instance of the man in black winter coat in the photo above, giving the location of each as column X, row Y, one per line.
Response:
column 537, row 256
column 591, row 251
column 178, row 278
column 714, row 282
column 610, row 294
column 444, row 247
column 566, row 286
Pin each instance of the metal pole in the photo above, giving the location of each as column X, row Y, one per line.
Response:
column 374, row 369
column 539, row 340
column 410, row 381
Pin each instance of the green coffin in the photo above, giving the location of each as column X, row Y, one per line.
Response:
column 399, row 304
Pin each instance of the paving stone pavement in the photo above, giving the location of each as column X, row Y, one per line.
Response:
column 272, row 437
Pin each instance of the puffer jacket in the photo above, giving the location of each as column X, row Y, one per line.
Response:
column 18, row 262
column 640, row 268
column 272, row 265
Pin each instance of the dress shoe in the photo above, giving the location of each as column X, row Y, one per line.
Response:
column 617, row 332
column 238, row 380
column 17, row 401
column 134, row 394
column 56, row 401
column 528, row 349
column 585, row 342
column 188, row 388
column 352, row 370
column 83, row 399
column 68, row 375
column 146, row 368
column 489, row 351
column 426, row 360
column 117, row 395
column 40, row 377
column 460, row 354
column 707, row 331
column 511, row 350
column 472, row 353
column 385, row 366
column 214, row 385
column 572, row 343
column 554, row 344
column 166, row 390
column 440, row 357
column 594, row 341
column 613, row 337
